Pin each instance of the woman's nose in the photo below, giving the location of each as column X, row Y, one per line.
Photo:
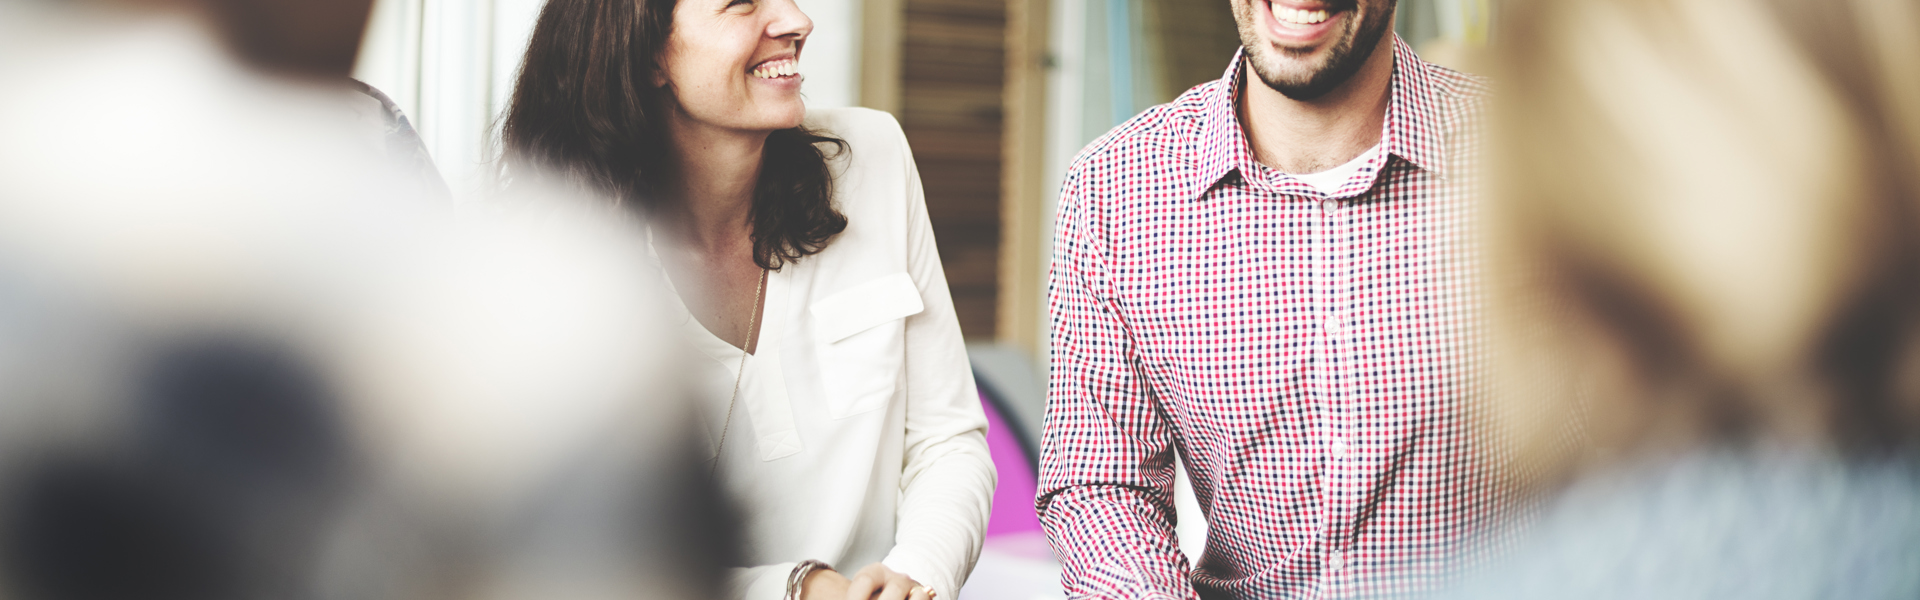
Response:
column 788, row 21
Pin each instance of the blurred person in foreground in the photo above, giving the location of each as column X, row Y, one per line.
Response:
column 1271, row 280
column 839, row 407
column 1705, row 243
column 241, row 356
column 316, row 42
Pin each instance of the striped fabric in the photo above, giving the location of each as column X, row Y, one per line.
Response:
column 1313, row 359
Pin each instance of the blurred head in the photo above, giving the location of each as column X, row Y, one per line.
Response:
column 1705, row 223
column 314, row 38
column 1306, row 48
column 318, row 420
column 302, row 38
column 735, row 64
column 219, row 481
column 604, row 82
column 288, row 37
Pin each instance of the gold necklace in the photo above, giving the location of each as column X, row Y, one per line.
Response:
column 753, row 318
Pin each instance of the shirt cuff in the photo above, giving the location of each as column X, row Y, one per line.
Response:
column 926, row 575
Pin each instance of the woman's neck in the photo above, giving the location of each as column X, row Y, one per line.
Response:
column 718, row 171
column 714, row 259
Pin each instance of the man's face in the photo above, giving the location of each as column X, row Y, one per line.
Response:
column 1306, row 48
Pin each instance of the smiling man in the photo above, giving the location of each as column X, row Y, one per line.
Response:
column 1270, row 279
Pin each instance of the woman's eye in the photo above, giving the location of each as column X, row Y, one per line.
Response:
column 733, row 3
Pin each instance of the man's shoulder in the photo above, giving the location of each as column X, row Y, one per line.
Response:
column 1164, row 136
column 1460, row 83
column 1466, row 92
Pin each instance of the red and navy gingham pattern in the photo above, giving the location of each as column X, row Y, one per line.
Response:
column 1312, row 358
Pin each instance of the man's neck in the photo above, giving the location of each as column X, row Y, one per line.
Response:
column 718, row 171
column 1310, row 136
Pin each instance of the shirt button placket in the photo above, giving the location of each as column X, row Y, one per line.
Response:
column 1344, row 458
column 1345, row 478
column 1332, row 327
column 1333, row 322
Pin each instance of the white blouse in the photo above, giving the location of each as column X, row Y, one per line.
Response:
column 858, row 435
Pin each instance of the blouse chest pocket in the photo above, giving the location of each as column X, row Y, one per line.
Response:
column 862, row 339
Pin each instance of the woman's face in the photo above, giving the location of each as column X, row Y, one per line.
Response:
column 734, row 64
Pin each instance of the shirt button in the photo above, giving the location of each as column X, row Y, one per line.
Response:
column 1336, row 560
column 1332, row 324
column 1338, row 447
column 1329, row 206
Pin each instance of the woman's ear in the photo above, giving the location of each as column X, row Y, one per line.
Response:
column 658, row 75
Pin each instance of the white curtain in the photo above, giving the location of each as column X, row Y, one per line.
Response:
column 449, row 64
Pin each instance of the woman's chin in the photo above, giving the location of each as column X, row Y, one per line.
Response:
column 787, row 117
column 762, row 119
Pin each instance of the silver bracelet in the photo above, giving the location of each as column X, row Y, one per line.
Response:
column 797, row 579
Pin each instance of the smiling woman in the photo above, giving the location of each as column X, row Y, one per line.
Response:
column 612, row 122
column 840, row 410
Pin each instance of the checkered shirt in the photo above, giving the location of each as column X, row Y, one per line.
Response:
column 1312, row 358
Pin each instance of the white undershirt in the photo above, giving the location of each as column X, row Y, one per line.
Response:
column 1331, row 180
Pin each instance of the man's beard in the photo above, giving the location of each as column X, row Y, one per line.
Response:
column 1345, row 59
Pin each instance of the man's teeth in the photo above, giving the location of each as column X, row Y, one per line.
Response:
column 1302, row 17
column 777, row 69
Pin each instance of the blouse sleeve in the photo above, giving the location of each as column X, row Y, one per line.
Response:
column 948, row 479
column 764, row 582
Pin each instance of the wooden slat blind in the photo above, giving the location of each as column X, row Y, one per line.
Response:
column 952, row 75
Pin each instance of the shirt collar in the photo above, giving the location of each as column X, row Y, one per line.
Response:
column 1416, row 114
column 1222, row 145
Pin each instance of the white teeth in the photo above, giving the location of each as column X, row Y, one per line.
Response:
column 777, row 69
column 1302, row 17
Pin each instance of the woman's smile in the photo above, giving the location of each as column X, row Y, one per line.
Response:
column 781, row 74
column 785, row 67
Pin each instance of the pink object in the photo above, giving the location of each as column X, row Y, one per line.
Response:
column 1013, row 498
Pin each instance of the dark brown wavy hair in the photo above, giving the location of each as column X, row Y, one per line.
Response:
column 585, row 107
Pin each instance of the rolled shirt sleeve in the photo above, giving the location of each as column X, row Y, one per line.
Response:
column 1106, row 457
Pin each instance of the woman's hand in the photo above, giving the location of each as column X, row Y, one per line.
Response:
column 875, row 582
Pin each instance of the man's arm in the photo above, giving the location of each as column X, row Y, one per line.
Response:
column 1106, row 457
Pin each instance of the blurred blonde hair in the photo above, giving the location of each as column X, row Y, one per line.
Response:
column 1704, row 225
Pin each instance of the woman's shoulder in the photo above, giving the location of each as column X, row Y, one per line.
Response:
column 864, row 129
column 874, row 185
column 874, row 174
